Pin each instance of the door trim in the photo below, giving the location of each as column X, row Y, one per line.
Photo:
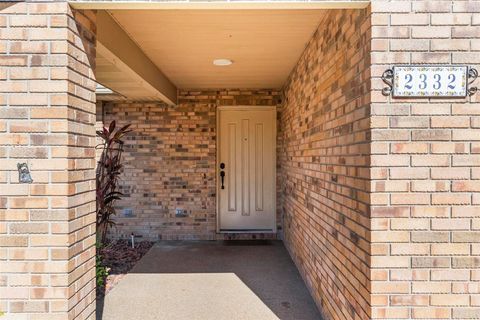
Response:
column 217, row 165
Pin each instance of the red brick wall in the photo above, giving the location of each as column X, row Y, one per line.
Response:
column 425, row 168
column 170, row 162
column 47, row 112
column 324, row 164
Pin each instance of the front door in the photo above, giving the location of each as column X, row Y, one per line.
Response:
column 246, row 169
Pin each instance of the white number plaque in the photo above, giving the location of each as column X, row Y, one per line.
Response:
column 430, row 81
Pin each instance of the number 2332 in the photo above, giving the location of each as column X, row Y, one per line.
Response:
column 423, row 81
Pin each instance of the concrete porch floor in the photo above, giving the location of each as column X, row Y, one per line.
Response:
column 215, row 280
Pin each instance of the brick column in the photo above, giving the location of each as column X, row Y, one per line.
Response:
column 425, row 168
column 47, row 116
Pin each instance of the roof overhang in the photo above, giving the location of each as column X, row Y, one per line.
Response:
column 141, row 54
column 219, row 5
column 116, row 47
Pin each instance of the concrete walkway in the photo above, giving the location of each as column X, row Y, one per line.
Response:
column 214, row 280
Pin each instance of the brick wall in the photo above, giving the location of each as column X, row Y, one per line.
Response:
column 46, row 120
column 170, row 162
column 380, row 197
column 324, row 164
column 425, row 168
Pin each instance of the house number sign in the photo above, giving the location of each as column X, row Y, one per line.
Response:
column 429, row 81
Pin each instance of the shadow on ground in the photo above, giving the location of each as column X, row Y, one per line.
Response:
column 212, row 280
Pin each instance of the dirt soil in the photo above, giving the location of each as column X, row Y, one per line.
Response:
column 120, row 257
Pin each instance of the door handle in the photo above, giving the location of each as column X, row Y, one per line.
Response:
column 222, row 176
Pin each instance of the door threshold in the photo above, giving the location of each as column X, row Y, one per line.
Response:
column 246, row 231
column 246, row 243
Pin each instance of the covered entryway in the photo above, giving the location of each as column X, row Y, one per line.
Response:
column 248, row 280
column 247, row 124
column 202, row 89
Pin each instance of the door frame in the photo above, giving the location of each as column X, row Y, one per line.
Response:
column 217, row 164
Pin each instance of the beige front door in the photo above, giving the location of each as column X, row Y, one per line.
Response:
column 246, row 160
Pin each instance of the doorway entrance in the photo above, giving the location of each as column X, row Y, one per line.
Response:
column 246, row 167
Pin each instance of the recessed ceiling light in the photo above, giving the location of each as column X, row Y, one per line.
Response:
column 222, row 62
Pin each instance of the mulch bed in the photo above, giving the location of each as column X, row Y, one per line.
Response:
column 120, row 257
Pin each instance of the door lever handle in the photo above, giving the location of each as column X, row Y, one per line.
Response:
column 222, row 176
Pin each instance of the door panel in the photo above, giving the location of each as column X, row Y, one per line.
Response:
column 245, row 169
column 247, row 138
column 259, row 167
column 232, row 167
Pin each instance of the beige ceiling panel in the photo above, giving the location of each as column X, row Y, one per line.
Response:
column 119, row 54
column 263, row 44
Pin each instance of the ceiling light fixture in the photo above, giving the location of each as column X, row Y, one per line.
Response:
column 222, row 62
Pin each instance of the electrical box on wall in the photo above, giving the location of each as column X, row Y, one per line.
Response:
column 128, row 213
column 181, row 213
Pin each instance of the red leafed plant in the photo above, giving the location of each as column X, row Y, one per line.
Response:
column 108, row 170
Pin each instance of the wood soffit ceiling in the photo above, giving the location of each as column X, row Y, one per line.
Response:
column 264, row 45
